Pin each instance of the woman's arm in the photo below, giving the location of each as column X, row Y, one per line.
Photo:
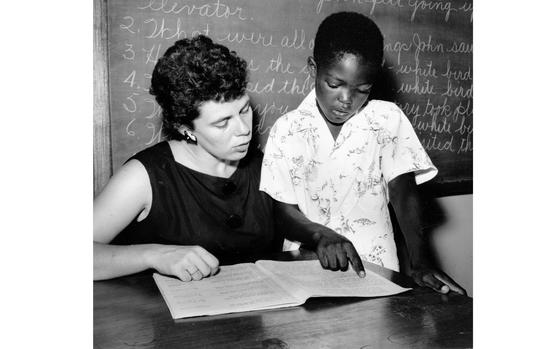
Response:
column 333, row 249
column 126, row 197
column 404, row 197
column 112, row 261
column 184, row 262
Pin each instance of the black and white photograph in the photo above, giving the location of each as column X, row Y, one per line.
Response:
column 279, row 174
column 283, row 174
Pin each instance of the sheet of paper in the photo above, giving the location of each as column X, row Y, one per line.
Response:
column 316, row 281
column 235, row 288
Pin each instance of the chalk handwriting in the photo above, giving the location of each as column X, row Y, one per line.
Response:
column 156, row 133
column 174, row 32
column 130, row 107
column 156, row 109
column 464, row 128
column 129, row 25
column 293, row 87
column 152, row 54
column 160, row 30
column 296, row 42
column 460, row 47
column 411, row 110
column 251, row 66
column 445, row 109
column 435, row 110
column 431, row 70
column 266, row 110
column 130, row 79
column 443, row 6
column 463, row 110
column 147, row 77
column 253, row 38
column 417, row 88
column 259, row 87
column 436, row 143
column 458, row 91
column 457, row 74
column 466, row 145
column 435, row 124
column 372, row 4
column 128, row 129
column 440, row 119
column 425, row 46
column 205, row 31
column 394, row 3
column 304, row 69
column 398, row 47
column 129, row 53
column 277, row 65
column 215, row 9
column 467, row 7
column 427, row 71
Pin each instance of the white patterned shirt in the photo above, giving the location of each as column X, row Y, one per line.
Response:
column 343, row 184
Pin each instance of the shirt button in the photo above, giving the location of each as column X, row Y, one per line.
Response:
column 234, row 221
column 228, row 188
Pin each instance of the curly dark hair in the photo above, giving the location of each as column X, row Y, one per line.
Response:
column 191, row 72
column 348, row 32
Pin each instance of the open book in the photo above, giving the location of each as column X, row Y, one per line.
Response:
column 266, row 285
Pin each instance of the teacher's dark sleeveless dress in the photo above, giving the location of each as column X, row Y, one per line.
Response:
column 228, row 217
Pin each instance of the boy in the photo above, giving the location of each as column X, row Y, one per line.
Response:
column 338, row 159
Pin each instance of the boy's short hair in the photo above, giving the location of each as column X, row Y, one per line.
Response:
column 348, row 32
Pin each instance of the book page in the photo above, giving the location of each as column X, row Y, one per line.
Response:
column 315, row 281
column 236, row 288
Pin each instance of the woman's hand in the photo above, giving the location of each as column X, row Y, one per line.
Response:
column 185, row 262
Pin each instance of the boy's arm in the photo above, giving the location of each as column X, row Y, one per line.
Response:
column 333, row 250
column 403, row 195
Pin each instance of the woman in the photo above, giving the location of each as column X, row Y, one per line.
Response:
column 180, row 205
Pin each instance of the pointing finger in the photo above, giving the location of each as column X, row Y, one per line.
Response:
column 357, row 264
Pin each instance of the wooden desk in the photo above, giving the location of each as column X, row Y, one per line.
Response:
column 130, row 312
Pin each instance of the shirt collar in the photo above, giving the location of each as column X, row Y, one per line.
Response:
column 309, row 103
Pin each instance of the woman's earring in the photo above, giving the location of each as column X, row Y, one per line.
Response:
column 190, row 138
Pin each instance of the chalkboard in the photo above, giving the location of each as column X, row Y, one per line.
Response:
column 427, row 69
